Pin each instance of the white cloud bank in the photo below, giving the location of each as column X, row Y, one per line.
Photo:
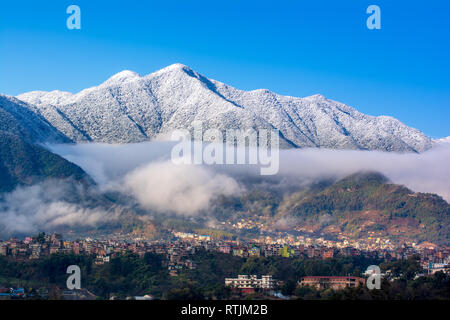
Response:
column 183, row 189
column 43, row 206
column 145, row 172
column 425, row 172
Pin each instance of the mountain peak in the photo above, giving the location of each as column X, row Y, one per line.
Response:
column 38, row 98
column 139, row 108
column 124, row 76
column 316, row 97
column 175, row 67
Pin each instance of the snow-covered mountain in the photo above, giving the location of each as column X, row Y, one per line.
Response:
column 23, row 120
column 445, row 140
column 133, row 108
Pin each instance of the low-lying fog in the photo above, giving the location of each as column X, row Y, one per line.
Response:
column 145, row 172
column 146, row 164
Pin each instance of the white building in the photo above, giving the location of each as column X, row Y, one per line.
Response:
column 252, row 281
column 432, row 268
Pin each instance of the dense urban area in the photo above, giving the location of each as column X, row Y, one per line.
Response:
column 196, row 266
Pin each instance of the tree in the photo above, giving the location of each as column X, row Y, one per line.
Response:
column 288, row 287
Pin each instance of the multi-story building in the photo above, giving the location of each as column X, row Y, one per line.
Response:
column 337, row 283
column 3, row 250
column 432, row 268
column 35, row 250
column 328, row 254
column 225, row 249
column 248, row 283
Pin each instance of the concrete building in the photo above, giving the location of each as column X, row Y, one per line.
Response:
column 336, row 283
column 246, row 282
column 432, row 268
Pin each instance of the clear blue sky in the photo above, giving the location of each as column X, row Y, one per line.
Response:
column 292, row 47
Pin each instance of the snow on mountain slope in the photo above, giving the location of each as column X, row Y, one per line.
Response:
column 42, row 97
column 442, row 140
column 22, row 120
column 131, row 108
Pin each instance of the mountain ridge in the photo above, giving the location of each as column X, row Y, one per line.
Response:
column 20, row 119
column 24, row 161
column 25, row 164
column 129, row 108
column 361, row 205
column 367, row 202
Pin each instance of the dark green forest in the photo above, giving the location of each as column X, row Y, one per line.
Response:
column 129, row 275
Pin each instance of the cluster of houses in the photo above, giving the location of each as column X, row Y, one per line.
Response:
column 178, row 250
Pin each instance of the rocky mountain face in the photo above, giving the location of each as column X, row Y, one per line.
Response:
column 130, row 108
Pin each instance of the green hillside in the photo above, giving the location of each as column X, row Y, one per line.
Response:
column 22, row 163
column 359, row 206
column 367, row 202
